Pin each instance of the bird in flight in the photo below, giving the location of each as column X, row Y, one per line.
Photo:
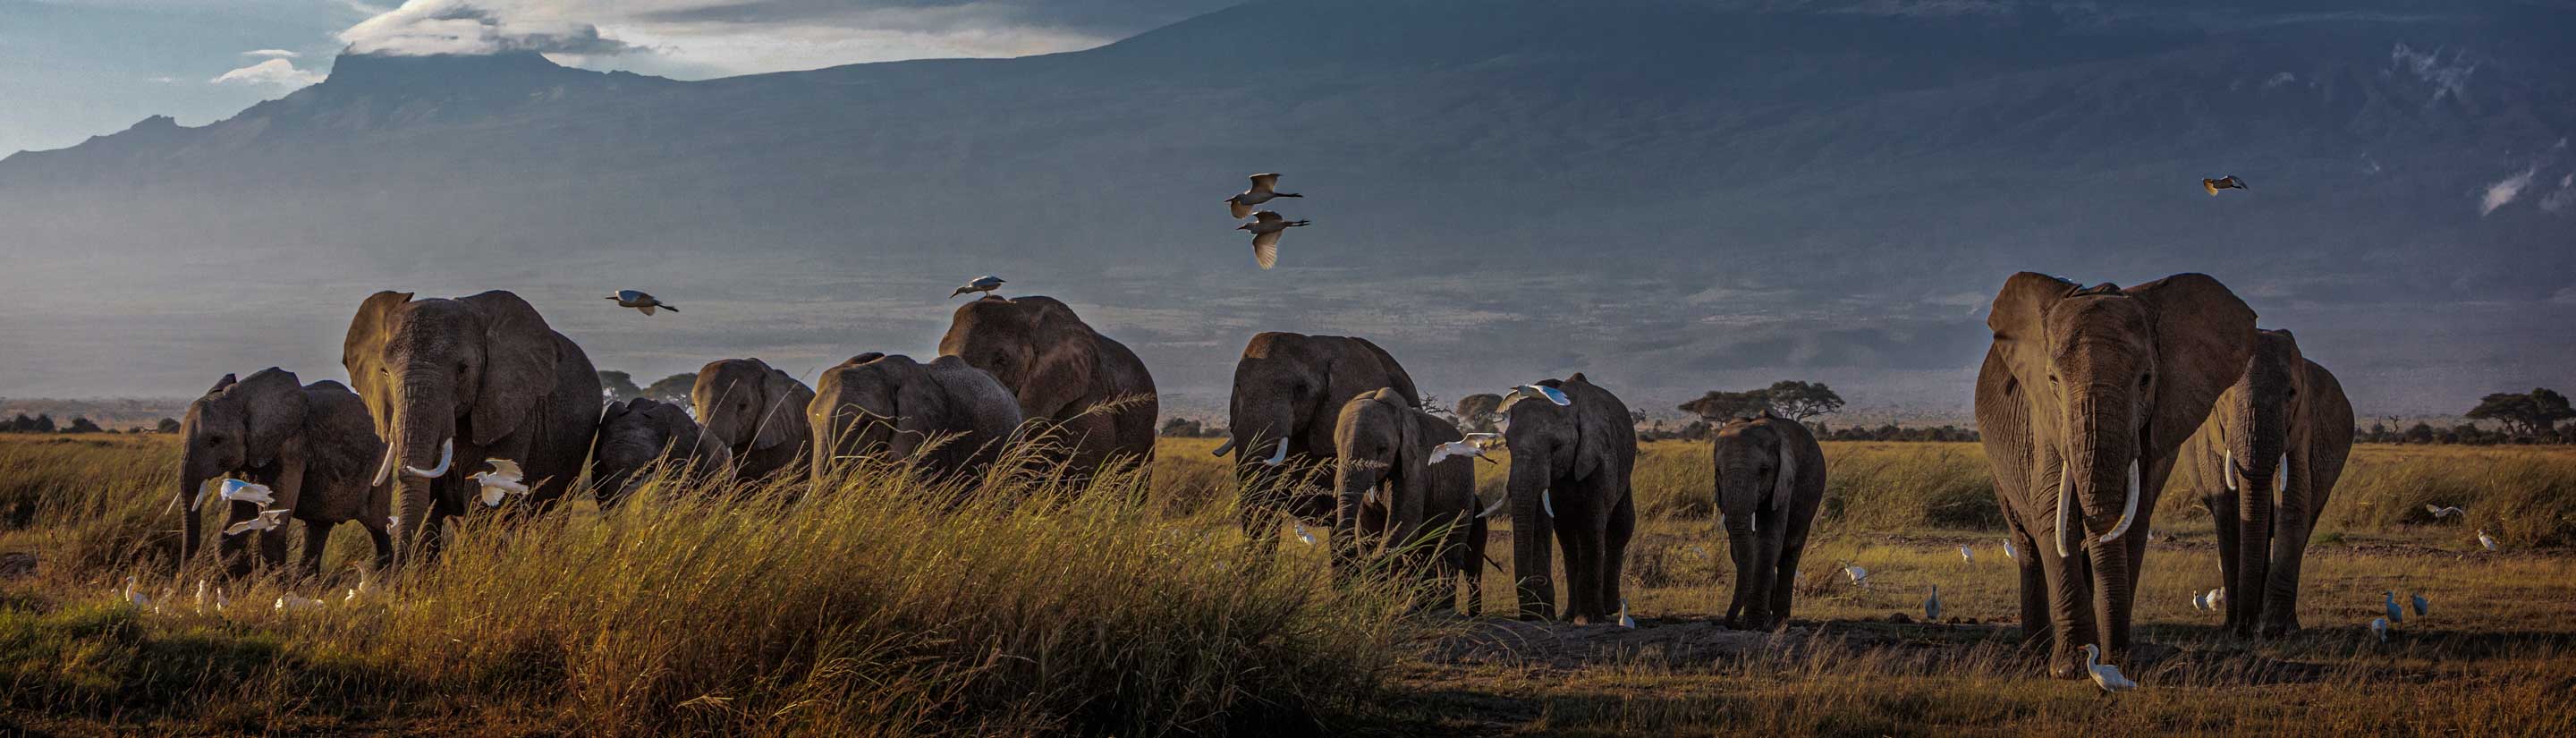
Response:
column 1266, row 227
column 985, row 284
column 2440, row 512
column 267, row 520
column 2229, row 182
column 1473, row 445
column 1536, row 390
column 235, row 490
column 504, row 478
column 1264, row 188
column 640, row 301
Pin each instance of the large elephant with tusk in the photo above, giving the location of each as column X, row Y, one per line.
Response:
column 1574, row 449
column 454, row 381
column 2282, row 431
column 1770, row 476
column 2084, row 400
column 1289, row 389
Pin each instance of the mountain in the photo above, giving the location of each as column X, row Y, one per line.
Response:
column 1670, row 196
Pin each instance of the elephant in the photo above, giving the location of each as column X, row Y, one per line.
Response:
column 1287, row 389
column 1384, row 442
column 312, row 445
column 1587, row 449
column 2282, row 407
column 1088, row 385
column 2084, row 400
column 887, row 406
column 476, row 377
column 635, row 434
column 1770, row 479
column 756, row 412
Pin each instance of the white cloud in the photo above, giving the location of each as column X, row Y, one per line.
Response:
column 278, row 72
column 2505, row 190
column 2562, row 197
column 272, row 53
column 422, row 27
column 2451, row 78
column 2279, row 80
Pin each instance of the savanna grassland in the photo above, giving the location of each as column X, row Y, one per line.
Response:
column 1021, row 603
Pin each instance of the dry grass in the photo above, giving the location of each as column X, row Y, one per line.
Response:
column 883, row 606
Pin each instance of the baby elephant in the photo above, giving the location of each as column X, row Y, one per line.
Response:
column 1770, row 479
column 635, row 434
column 887, row 407
column 313, row 446
column 1388, row 492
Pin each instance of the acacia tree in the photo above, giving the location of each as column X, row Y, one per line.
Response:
column 673, row 389
column 1803, row 400
column 2535, row 413
column 1478, row 413
column 619, row 386
column 1721, row 405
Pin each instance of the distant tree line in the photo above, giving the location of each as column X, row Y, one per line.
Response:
column 1190, row 428
column 44, row 423
column 2521, row 418
column 615, row 386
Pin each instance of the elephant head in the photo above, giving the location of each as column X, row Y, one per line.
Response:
column 2255, row 416
column 236, row 426
column 1379, row 441
column 431, row 369
column 749, row 406
column 1035, row 346
column 875, row 406
column 1758, row 469
column 2109, row 383
column 634, row 434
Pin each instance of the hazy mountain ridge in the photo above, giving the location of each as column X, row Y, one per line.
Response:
column 1675, row 196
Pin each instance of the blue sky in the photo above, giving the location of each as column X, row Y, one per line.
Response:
column 71, row 69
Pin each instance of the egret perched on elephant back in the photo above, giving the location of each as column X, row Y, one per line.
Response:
column 1569, row 479
column 1093, row 393
column 1288, row 390
column 758, row 413
column 1769, row 480
column 2085, row 398
column 475, row 377
column 1387, row 443
column 307, row 449
column 2264, row 464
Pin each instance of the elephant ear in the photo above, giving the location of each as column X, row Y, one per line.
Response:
column 362, row 352
column 519, row 356
column 921, row 408
column 1390, row 396
column 1067, row 353
column 2204, row 336
column 1402, row 382
column 1784, row 483
column 274, row 408
column 2016, row 321
column 784, row 399
column 220, row 384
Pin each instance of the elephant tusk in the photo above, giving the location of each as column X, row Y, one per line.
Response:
column 1546, row 503
column 446, row 455
column 2128, row 510
column 1277, row 456
column 2281, row 480
column 2227, row 470
column 2065, row 508
column 385, row 469
column 1225, row 448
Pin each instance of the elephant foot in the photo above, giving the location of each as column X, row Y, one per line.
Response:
column 2069, row 666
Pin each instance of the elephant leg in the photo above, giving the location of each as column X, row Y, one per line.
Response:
column 317, row 536
column 384, row 543
column 1474, row 566
column 1618, row 529
column 272, row 546
column 233, row 548
column 1784, row 578
column 2035, row 619
column 2289, row 551
column 2222, row 508
column 2070, row 610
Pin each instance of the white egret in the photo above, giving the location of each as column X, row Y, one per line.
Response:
column 1265, row 187
column 2395, row 614
column 2486, row 540
column 1967, row 554
column 2200, row 602
column 985, row 284
column 267, row 520
column 638, row 300
column 2008, row 552
column 235, row 490
column 2218, row 598
column 1551, row 394
column 200, row 602
column 393, row 524
column 1624, row 620
column 2423, row 606
column 1302, row 535
column 1266, row 227
column 503, row 479
column 2444, row 512
column 134, row 596
column 1858, row 575
column 2379, row 627
column 2106, row 676
column 292, row 603
column 1932, row 606
column 1474, row 446
column 221, row 601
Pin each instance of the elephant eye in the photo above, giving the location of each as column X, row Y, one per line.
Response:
column 2146, row 379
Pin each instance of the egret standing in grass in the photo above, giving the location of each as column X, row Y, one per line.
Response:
column 2008, row 552
column 2218, row 598
column 2106, row 676
column 2200, row 602
column 2485, row 540
column 1967, row 554
column 1624, row 620
column 1302, row 535
column 638, row 300
column 1858, row 575
column 985, row 284
column 2423, row 606
column 2379, row 627
column 2395, row 614
column 1932, row 606
column 135, row 596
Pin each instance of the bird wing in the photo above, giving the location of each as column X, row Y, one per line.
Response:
column 1480, row 439
column 648, row 309
column 1239, row 209
column 1443, row 451
column 2211, row 186
column 629, row 296
column 2238, row 183
column 1265, row 249
column 505, row 468
column 1268, row 216
column 1265, row 182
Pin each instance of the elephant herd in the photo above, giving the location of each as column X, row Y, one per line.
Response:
column 2090, row 399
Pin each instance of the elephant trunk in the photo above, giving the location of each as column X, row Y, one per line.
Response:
column 1531, row 528
column 2110, row 567
column 2259, row 476
column 423, row 430
column 1750, row 608
column 2102, row 462
column 1353, row 482
column 190, row 482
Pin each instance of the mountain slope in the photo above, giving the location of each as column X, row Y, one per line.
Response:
column 1673, row 195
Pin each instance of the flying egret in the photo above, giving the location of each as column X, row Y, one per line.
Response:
column 2444, row 512
column 2379, row 627
column 1551, row 394
column 640, row 301
column 235, row 490
column 502, row 480
column 1266, row 227
column 2423, row 606
column 985, row 284
column 1302, row 535
column 1472, row 446
column 267, row 520
column 2486, row 540
column 1624, row 620
column 1967, row 554
column 292, row 603
column 2395, row 614
column 1265, row 187
column 2229, row 182
column 1932, row 606
column 2105, row 676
